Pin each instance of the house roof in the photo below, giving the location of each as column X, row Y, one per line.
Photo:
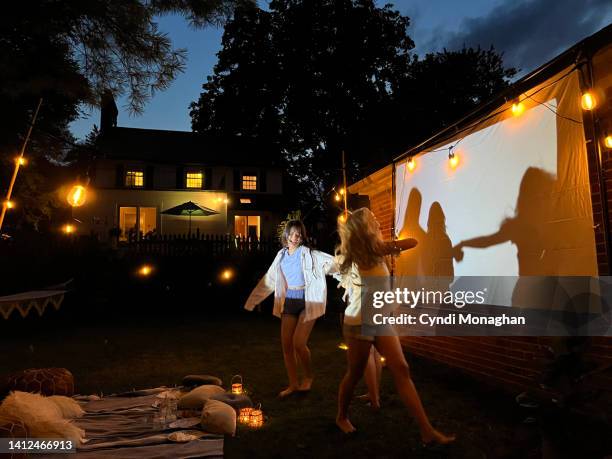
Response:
column 161, row 146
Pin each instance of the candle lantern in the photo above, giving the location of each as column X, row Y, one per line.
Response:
column 237, row 384
column 244, row 416
column 256, row 418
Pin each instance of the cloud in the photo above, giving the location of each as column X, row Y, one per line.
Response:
column 528, row 32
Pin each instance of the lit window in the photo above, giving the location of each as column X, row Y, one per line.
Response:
column 134, row 178
column 245, row 200
column 194, row 180
column 249, row 182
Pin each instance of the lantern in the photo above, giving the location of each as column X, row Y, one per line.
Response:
column 244, row 415
column 256, row 418
column 236, row 386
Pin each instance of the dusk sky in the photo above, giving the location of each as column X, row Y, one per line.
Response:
column 529, row 32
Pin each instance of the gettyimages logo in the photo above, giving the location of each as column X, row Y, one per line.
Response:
column 412, row 299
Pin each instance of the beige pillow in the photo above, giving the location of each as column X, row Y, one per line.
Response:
column 219, row 418
column 41, row 416
column 70, row 409
column 195, row 399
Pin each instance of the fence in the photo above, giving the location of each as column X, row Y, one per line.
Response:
column 201, row 244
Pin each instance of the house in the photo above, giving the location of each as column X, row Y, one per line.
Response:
column 139, row 173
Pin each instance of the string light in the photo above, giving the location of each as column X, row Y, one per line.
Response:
column 68, row 228
column 76, row 197
column 145, row 270
column 341, row 191
column 608, row 141
column 588, row 101
column 21, row 160
column 337, row 197
column 9, row 204
column 411, row 164
column 518, row 108
column 453, row 159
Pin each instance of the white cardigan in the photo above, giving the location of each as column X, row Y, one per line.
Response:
column 315, row 265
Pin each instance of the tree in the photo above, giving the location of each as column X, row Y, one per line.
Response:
column 69, row 52
column 318, row 77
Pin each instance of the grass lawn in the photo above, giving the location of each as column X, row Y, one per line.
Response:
column 134, row 355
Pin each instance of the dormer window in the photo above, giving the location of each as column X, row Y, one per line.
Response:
column 194, row 179
column 134, row 178
column 249, row 182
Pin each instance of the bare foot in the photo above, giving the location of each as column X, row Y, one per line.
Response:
column 288, row 391
column 437, row 438
column 306, row 385
column 345, row 425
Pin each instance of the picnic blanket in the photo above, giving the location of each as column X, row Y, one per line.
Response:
column 122, row 426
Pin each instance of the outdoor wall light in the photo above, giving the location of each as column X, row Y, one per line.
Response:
column 588, row 101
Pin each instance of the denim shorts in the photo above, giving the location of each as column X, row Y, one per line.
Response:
column 294, row 306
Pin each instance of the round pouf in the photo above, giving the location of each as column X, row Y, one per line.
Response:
column 46, row 381
column 200, row 380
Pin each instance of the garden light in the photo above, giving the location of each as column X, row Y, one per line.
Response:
column 227, row 274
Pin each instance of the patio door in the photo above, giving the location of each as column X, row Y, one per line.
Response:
column 136, row 222
column 247, row 225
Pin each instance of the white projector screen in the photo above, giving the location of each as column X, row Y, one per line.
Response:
column 518, row 202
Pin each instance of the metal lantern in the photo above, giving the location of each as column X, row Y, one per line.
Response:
column 236, row 386
column 244, row 416
column 256, row 418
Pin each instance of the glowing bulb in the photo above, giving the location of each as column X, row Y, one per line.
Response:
column 21, row 161
column 518, row 108
column 341, row 191
column 343, row 346
column 608, row 141
column 226, row 200
column 145, row 270
column 588, row 101
column 227, row 274
column 76, row 197
column 337, row 197
column 453, row 160
column 68, row 229
column 9, row 204
column 342, row 218
column 411, row 164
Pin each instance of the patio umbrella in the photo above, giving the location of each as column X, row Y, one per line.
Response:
column 190, row 208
